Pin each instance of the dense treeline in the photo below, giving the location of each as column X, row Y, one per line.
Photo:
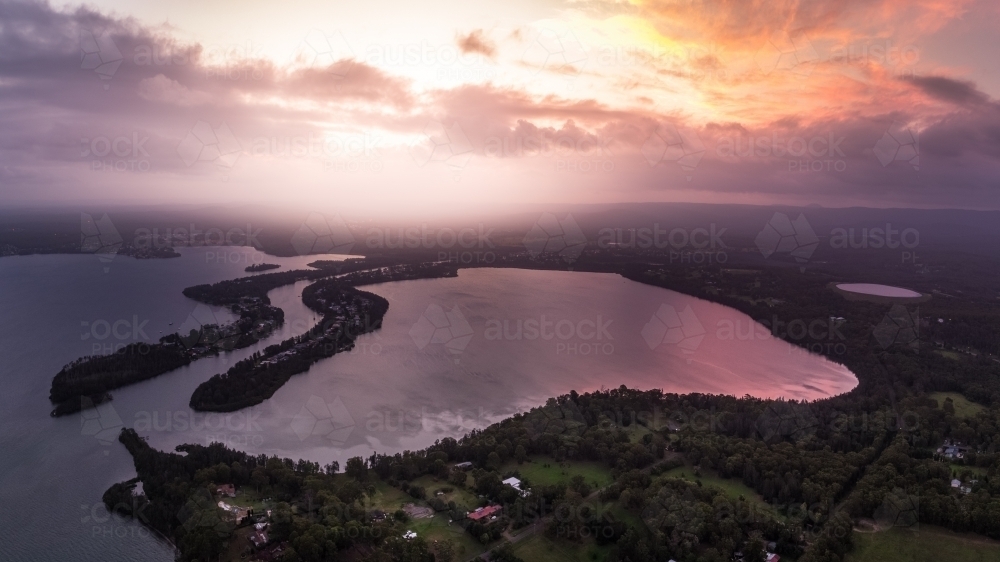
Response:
column 82, row 381
column 232, row 290
column 925, row 483
column 257, row 378
column 316, row 512
column 100, row 373
column 257, row 267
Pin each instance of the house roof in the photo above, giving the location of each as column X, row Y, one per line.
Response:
column 485, row 512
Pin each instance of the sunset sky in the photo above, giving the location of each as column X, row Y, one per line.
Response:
column 422, row 106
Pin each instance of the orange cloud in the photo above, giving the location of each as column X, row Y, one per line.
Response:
column 476, row 42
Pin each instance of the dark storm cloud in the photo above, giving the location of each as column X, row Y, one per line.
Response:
column 959, row 92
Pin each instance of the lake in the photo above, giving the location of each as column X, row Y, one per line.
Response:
column 878, row 290
column 453, row 354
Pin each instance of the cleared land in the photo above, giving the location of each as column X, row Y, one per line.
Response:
column 964, row 408
column 547, row 471
column 926, row 544
column 732, row 488
column 540, row 548
column 435, row 528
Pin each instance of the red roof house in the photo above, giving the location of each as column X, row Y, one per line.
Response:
column 485, row 512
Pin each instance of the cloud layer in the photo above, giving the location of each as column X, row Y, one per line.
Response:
column 664, row 100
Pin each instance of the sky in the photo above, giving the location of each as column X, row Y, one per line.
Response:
column 453, row 105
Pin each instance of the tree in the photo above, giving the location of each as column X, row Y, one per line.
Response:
column 445, row 551
column 520, row 454
column 579, row 485
column 457, row 477
column 357, row 469
column 754, row 551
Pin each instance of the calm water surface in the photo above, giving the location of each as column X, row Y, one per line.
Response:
column 453, row 355
column 878, row 290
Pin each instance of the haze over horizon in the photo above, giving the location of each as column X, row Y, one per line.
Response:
column 467, row 105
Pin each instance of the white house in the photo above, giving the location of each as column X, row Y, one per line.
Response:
column 516, row 484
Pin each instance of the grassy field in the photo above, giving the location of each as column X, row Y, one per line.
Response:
column 247, row 497
column 960, row 468
column 927, row 544
column 437, row 528
column 540, row 548
column 434, row 528
column 546, row 471
column 953, row 355
column 964, row 408
column 388, row 499
column 462, row 497
column 636, row 432
column 732, row 488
